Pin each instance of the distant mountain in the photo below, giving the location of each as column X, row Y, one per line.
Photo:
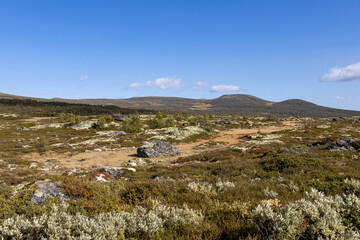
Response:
column 241, row 104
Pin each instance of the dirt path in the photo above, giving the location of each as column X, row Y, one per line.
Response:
column 116, row 158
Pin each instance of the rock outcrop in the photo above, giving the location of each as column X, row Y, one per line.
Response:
column 345, row 143
column 157, row 148
column 47, row 189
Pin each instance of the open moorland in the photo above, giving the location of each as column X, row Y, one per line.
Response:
column 91, row 172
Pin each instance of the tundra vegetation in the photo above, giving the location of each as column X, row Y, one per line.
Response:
column 298, row 182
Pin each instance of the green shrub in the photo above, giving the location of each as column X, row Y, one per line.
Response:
column 100, row 124
column 132, row 124
column 160, row 115
column 282, row 163
column 202, row 121
column 42, row 145
column 160, row 123
column 70, row 118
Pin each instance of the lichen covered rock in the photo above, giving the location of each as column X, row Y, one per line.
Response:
column 47, row 189
column 157, row 148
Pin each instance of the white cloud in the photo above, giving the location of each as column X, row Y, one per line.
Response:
column 225, row 88
column 338, row 74
column 84, row 77
column 343, row 97
column 201, row 86
column 340, row 98
column 136, row 85
column 165, row 83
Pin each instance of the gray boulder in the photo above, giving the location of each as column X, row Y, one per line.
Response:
column 157, row 148
column 223, row 121
column 45, row 190
column 113, row 171
column 118, row 117
column 345, row 143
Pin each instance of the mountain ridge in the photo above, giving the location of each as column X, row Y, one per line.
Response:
column 240, row 104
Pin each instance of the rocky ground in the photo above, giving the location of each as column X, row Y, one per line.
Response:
column 207, row 162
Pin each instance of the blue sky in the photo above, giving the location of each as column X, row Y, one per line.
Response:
column 274, row 50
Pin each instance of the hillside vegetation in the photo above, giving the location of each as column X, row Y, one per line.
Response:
column 239, row 104
column 81, row 176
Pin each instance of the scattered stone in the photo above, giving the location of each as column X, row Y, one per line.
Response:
column 47, row 189
column 52, row 125
column 56, row 125
column 345, row 143
column 75, row 170
column 33, row 165
column 323, row 126
column 18, row 188
column 100, row 177
column 119, row 133
column 223, row 121
column 23, row 128
column 135, row 162
column 83, row 125
column 118, row 117
column 113, row 171
column 157, row 148
column 12, row 167
column 173, row 133
column 8, row 115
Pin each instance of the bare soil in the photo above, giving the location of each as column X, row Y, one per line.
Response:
column 117, row 158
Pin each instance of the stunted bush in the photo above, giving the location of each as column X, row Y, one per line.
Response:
column 132, row 124
column 100, row 124
column 203, row 188
column 203, row 122
column 58, row 224
column 42, row 145
column 70, row 118
column 315, row 217
column 160, row 123
column 160, row 115
column 353, row 186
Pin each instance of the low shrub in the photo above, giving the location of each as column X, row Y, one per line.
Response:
column 132, row 124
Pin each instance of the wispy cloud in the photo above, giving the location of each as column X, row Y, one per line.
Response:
column 342, row 74
column 201, row 86
column 225, row 88
column 162, row 83
column 342, row 97
column 85, row 77
column 136, row 85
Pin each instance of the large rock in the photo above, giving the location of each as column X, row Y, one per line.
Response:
column 157, row 148
column 47, row 189
column 118, row 117
column 345, row 143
